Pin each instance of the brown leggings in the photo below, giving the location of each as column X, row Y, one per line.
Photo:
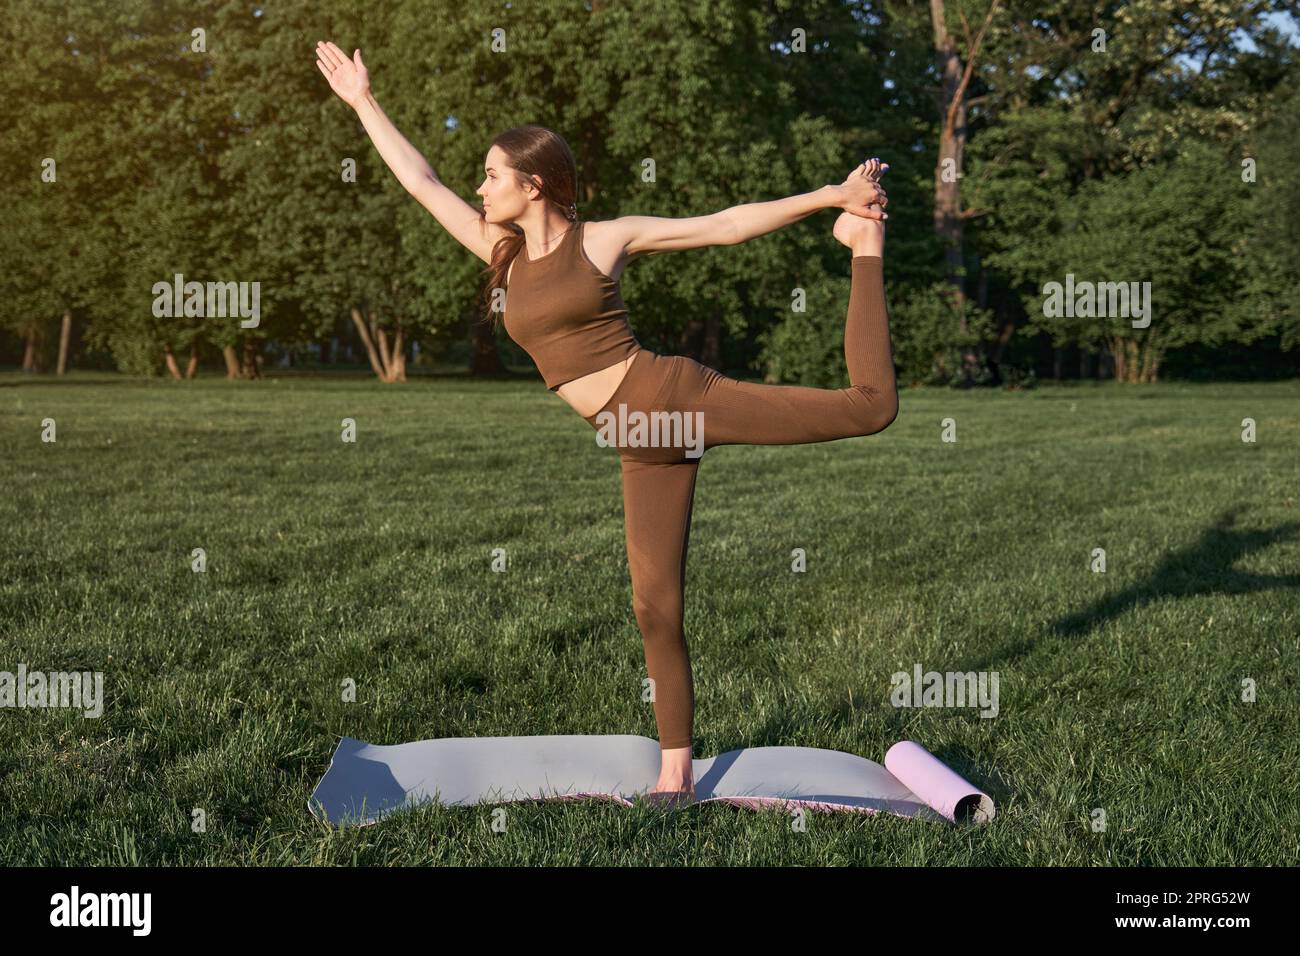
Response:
column 660, row 461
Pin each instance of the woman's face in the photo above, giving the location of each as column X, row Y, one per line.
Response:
column 504, row 200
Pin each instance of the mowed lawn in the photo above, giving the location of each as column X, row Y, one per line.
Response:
column 1119, row 692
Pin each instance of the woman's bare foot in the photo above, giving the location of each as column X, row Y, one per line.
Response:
column 866, row 237
column 669, row 799
column 676, row 785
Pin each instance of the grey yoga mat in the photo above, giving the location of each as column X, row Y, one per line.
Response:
column 366, row 782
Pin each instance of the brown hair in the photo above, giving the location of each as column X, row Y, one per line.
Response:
column 532, row 151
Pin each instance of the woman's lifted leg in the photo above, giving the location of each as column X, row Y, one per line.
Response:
column 730, row 412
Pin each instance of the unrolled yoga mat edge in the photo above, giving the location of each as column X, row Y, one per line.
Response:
column 366, row 782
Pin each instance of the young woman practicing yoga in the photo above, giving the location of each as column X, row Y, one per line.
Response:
column 562, row 305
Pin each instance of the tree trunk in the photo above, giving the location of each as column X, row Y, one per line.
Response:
column 1151, row 355
column 947, row 205
column 397, row 360
column 711, row 353
column 29, row 347
column 947, row 172
column 690, row 334
column 1006, row 329
column 389, row 363
column 1136, row 361
column 252, row 367
column 364, row 331
column 385, row 355
column 65, row 334
column 947, row 186
column 170, row 359
column 192, row 369
column 485, row 357
column 232, row 361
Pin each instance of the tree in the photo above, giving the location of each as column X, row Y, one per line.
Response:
column 1139, row 233
column 59, row 254
column 955, row 76
column 1272, row 249
column 1073, row 99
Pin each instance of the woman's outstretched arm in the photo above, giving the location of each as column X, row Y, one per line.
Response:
column 859, row 194
column 407, row 163
column 350, row 79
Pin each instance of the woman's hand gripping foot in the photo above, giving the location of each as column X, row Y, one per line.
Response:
column 861, row 193
column 858, row 230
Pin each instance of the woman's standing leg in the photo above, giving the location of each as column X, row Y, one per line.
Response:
column 657, row 504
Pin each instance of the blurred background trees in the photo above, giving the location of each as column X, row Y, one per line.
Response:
column 1151, row 141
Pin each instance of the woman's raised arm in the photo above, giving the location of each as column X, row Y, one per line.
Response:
column 350, row 79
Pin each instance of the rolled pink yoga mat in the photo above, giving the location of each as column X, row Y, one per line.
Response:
column 937, row 785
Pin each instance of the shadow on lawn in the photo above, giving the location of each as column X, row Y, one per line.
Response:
column 1203, row 567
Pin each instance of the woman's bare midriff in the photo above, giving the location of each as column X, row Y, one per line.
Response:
column 588, row 395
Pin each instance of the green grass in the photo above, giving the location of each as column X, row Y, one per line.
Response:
column 327, row 561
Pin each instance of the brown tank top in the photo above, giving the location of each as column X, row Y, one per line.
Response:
column 565, row 313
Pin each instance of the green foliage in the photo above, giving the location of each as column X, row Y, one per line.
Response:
column 224, row 163
column 807, row 348
column 928, row 341
column 1178, row 225
column 1272, row 252
column 134, row 354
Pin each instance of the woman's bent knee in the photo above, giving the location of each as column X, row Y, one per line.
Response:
column 879, row 414
column 888, row 412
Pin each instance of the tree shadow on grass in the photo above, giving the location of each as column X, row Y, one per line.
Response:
column 1203, row 567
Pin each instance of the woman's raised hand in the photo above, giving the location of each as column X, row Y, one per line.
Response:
column 348, row 78
column 861, row 193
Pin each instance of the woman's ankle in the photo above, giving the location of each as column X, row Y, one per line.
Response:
column 864, row 237
column 675, row 766
column 869, row 242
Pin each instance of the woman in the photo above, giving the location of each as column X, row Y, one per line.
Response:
column 567, row 313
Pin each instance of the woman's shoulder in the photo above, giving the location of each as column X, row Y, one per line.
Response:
column 609, row 239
